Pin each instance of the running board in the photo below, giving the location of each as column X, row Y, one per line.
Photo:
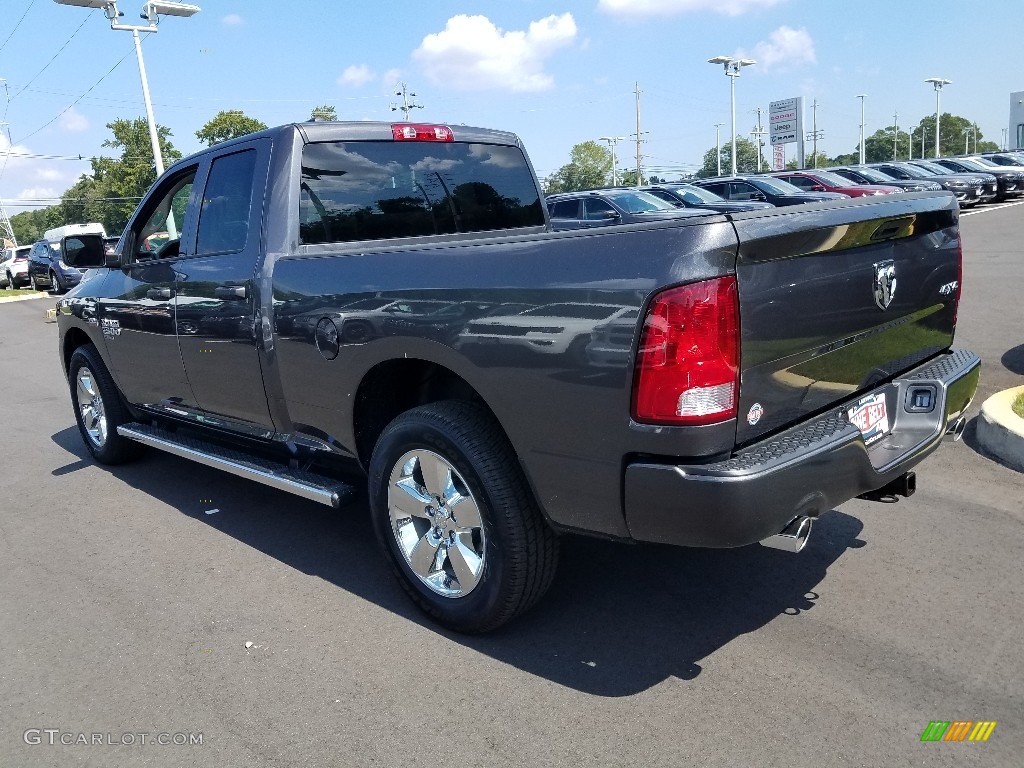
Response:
column 308, row 485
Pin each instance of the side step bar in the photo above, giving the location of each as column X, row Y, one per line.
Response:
column 308, row 485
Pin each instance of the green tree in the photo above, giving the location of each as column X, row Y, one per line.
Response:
column 952, row 136
column 823, row 162
column 589, row 167
column 746, row 159
column 228, row 124
column 124, row 181
column 627, row 178
column 324, row 112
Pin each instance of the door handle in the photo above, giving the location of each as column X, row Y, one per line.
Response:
column 230, row 292
column 159, row 294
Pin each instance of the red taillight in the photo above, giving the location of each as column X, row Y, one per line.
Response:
column 421, row 132
column 688, row 364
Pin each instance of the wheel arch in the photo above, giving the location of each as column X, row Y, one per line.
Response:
column 392, row 387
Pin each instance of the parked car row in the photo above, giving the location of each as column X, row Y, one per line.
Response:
column 972, row 180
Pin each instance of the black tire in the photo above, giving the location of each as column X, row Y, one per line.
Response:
column 113, row 449
column 32, row 283
column 55, row 284
column 521, row 551
column 356, row 332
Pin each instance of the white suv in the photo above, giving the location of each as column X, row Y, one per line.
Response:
column 14, row 267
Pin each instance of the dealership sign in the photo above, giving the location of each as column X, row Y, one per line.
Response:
column 786, row 125
column 785, row 120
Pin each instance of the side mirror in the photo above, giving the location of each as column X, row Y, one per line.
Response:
column 83, row 251
column 759, row 196
column 610, row 215
column 817, row 188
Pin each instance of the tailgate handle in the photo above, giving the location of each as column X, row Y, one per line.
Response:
column 230, row 292
column 892, row 228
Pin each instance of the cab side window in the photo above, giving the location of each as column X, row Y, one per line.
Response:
column 799, row 181
column 160, row 234
column 565, row 209
column 224, row 213
column 597, row 209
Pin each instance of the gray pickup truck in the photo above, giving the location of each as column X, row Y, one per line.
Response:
column 325, row 307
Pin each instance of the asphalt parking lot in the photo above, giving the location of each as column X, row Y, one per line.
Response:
column 273, row 628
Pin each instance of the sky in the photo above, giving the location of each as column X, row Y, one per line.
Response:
column 556, row 73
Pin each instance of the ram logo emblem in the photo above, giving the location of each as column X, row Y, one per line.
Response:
column 885, row 283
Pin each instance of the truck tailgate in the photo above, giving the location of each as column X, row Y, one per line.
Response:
column 838, row 298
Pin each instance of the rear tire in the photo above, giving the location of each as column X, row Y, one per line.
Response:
column 99, row 410
column 454, row 514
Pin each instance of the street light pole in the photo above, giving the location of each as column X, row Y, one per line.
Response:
column 151, row 12
column 861, row 96
column 718, row 146
column 732, row 68
column 612, row 141
column 938, row 82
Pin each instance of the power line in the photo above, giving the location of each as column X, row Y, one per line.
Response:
column 69, row 106
column 4, row 43
column 52, row 59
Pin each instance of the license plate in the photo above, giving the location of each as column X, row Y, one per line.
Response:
column 870, row 417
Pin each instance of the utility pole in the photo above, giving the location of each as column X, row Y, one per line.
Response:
column 895, row 133
column 638, row 134
column 6, row 229
column 406, row 106
column 612, row 142
column 815, row 134
column 758, row 136
column 718, row 146
column 1004, row 144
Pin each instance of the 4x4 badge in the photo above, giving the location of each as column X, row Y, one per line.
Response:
column 885, row 283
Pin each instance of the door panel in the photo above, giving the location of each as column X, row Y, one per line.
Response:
column 217, row 292
column 137, row 315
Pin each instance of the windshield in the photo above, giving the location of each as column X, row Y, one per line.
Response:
column 872, row 175
column 778, row 186
column 832, row 179
column 985, row 162
column 972, row 165
column 913, row 171
column 938, row 170
column 640, row 202
column 696, row 195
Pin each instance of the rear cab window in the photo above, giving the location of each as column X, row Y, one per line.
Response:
column 370, row 190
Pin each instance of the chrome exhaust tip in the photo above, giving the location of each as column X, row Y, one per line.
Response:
column 793, row 537
column 956, row 429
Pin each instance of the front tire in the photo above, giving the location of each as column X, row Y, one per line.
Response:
column 99, row 410
column 56, row 286
column 453, row 512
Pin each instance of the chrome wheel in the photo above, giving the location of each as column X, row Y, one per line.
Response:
column 437, row 523
column 90, row 406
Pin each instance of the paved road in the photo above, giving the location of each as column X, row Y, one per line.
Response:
column 126, row 609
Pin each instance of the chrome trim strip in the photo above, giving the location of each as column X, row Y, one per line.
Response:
column 282, row 483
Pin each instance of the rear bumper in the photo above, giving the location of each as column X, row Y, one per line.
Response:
column 806, row 470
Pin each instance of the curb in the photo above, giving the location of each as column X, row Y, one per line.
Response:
column 1000, row 430
column 8, row 299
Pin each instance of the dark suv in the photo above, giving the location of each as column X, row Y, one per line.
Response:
column 601, row 207
column 1011, row 182
column 690, row 196
column 764, row 189
column 968, row 189
column 47, row 270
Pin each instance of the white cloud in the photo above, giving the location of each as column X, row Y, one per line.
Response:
column 784, row 49
column 73, row 121
column 391, row 78
column 48, row 174
column 232, row 20
column 34, row 193
column 672, row 7
column 473, row 54
column 356, row 76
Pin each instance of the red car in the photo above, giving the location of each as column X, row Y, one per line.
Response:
column 824, row 181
